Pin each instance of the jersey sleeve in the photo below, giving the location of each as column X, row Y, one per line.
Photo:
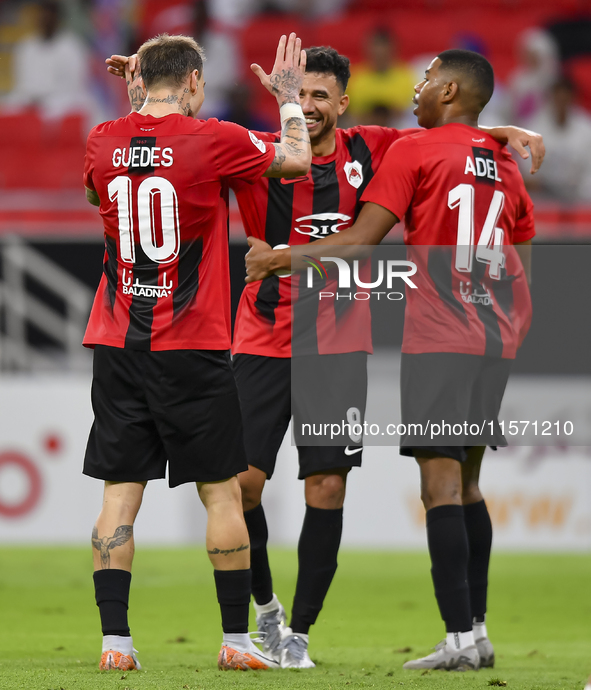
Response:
column 89, row 160
column 394, row 184
column 241, row 154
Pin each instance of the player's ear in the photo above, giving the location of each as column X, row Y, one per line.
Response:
column 344, row 104
column 449, row 91
column 194, row 81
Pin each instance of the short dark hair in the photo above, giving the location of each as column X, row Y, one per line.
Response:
column 326, row 60
column 169, row 60
column 474, row 66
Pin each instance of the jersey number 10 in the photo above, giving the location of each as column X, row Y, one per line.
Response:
column 489, row 249
column 121, row 189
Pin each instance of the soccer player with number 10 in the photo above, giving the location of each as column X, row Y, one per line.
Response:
column 163, row 388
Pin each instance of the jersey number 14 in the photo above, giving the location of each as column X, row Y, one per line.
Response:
column 121, row 189
column 489, row 249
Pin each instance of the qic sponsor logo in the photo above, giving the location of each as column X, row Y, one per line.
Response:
column 323, row 224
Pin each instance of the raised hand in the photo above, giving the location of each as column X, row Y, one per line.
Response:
column 287, row 76
column 129, row 69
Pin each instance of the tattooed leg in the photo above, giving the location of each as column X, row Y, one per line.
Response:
column 226, row 539
column 104, row 545
column 112, row 536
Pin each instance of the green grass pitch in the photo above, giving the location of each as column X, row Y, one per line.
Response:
column 379, row 613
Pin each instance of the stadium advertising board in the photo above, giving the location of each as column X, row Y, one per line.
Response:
column 538, row 496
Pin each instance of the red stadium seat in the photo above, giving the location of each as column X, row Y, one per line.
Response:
column 24, row 128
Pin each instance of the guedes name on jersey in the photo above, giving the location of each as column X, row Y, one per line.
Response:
column 143, row 157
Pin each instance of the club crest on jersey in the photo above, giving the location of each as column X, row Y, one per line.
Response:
column 354, row 173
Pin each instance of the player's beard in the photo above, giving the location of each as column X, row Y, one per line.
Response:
column 324, row 132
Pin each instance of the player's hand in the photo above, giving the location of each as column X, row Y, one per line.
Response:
column 129, row 68
column 258, row 260
column 520, row 138
column 287, row 77
column 116, row 64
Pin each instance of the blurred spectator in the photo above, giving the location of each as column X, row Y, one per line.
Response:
column 381, row 81
column 223, row 61
column 239, row 110
column 51, row 71
column 539, row 68
column 111, row 22
column 566, row 173
column 234, row 12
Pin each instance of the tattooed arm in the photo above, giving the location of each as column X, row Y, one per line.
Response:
column 129, row 68
column 293, row 154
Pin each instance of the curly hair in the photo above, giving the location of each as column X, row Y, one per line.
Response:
column 326, row 60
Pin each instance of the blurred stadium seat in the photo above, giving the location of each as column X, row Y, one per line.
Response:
column 41, row 156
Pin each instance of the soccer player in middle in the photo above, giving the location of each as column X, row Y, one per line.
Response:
column 296, row 212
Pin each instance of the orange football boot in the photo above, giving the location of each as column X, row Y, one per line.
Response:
column 232, row 659
column 117, row 661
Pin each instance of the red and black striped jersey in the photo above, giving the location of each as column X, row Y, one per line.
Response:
column 465, row 205
column 298, row 211
column 163, row 190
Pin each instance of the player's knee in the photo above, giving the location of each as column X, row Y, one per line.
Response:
column 251, row 497
column 326, row 491
column 122, row 510
column 252, row 492
column 434, row 495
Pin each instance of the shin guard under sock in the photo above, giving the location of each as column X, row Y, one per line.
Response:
column 262, row 582
column 448, row 547
column 317, row 563
column 479, row 531
column 111, row 589
column 233, row 591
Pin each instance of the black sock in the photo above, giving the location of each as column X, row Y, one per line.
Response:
column 317, row 563
column 111, row 589
column 479, row 530
column 233, row 590
column 262, row 582
column 448, row 547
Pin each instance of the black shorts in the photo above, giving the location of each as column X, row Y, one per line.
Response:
column 453, row 400
column 175, row 405
column 265, row 390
